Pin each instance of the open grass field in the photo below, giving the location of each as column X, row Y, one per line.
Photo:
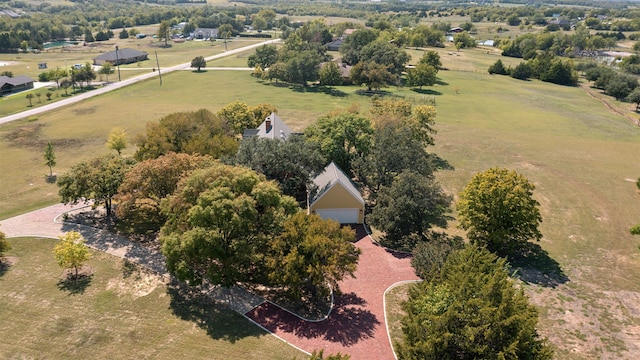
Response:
column 119, row 312
column 582, row 157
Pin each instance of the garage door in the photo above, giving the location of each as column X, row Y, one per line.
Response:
column 343, row 216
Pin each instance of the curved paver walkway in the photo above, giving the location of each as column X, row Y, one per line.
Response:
column 48, row 223
column 356, row 325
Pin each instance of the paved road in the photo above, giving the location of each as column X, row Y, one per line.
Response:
column 123, row 83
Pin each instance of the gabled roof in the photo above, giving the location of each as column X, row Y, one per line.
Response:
column 126, row 53
column 15, row 81
column 273, row 128
column 330, row 177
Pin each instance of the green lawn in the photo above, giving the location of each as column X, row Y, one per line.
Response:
column 121, row 313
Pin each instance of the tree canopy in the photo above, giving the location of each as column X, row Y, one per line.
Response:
column 341, row 137
column 97, row 179
column 312, row 253
column 242, row 116
column 117, row 140
column 265, row 56
column 292, row 162
column 380, row 166
column 70, row 252
column 471, row 311
column 198, row 62
column 50, row 157
column 220, row 222
column 498, row 211
column 147, row 184
column 192, row 132
column 408, row 209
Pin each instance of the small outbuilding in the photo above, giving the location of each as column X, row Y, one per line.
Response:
column 11, row 85
column 121, row 56
column 337, row 198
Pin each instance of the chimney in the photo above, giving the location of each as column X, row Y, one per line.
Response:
column 267, row 125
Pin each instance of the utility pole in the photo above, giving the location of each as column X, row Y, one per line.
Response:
column 159, row 73
column 118, row 63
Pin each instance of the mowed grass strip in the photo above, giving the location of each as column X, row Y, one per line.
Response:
column 123, row 312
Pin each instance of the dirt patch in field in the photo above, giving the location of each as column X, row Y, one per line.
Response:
column 137, row 285
column 29, row 136
column 600, row 325
column 85, row 111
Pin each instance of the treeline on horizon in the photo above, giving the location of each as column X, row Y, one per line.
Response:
column 37, row 26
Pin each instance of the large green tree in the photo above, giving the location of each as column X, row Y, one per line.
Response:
column 385, row 53
column 312, row 253
column 95, row 180
column 198, row 62
column 164, row 31
column 341, row 137
column 147, row 184
column 242, row 116
column 373, row 75
column 422, row 75
column 380, row 166
column 291, row 162
column 330, row 74
column 471, row 310
column 303, row 67
column 498, row 211
column 354, row 43
column 408, row 209
column 192, row 132
column 220, row 222
column 265, row 56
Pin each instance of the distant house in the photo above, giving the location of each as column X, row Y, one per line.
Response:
column 486, row 43
column 335, row 44
column 337, row 197
column 271, row 128
column 15, row 84
column 121, row 56
column 345, row 71
column 204, row 34
column 10, row 85
column 456, row 30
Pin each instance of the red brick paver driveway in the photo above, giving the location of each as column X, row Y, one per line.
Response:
column 356, row 325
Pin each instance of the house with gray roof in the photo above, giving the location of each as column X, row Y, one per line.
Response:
column 121, row 56
column 271, row 128
column 11, row 85
column 204, row 33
